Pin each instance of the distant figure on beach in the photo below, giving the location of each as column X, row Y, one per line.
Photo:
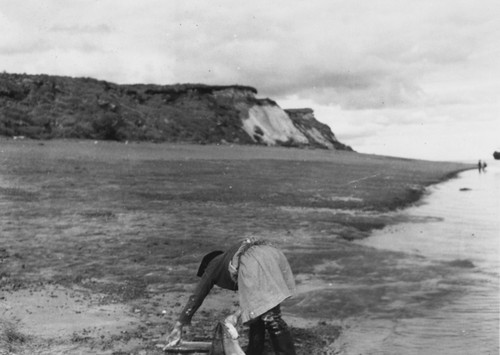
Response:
column 479, row 166
column 484, row 166
column 261, row 275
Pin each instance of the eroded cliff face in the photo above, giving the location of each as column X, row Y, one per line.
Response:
column 270, row 125
column 44, row 107
column 318, row 134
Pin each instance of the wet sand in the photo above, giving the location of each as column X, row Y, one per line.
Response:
column 100, row 240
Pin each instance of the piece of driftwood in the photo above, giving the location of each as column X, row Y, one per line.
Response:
column 190, row 347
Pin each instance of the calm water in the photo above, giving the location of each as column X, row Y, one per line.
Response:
column 449, row 225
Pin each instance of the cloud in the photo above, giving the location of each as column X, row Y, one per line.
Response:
column 13, row 41
column 356, row 56
column 23, row 47
column 81, row 29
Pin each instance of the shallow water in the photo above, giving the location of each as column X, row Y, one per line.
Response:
column 458, row 222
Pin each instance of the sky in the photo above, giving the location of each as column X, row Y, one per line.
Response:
column 407, row 78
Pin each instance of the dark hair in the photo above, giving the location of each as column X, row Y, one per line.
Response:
column 206, row 260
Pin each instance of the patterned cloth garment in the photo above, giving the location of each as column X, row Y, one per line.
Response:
column 265, row 280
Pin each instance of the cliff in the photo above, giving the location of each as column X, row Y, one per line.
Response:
column 317, row 133
column 44, row 107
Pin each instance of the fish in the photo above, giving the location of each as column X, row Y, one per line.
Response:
column 225, row 340
column 231, row 343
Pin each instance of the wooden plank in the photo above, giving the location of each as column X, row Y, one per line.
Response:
column 190, row 347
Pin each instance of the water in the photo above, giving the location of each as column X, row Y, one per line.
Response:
column 459, row 221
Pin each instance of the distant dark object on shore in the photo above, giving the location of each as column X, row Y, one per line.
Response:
column 465, row 189
column 496, row 155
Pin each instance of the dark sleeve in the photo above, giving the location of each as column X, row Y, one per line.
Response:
column 196, row 299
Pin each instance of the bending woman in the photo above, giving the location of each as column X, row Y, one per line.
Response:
column 261, row 275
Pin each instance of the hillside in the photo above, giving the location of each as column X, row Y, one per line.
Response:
column 45, row 107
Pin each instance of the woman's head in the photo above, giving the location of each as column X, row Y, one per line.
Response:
column 206, row 260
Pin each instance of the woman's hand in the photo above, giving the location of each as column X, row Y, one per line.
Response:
column 175, row 336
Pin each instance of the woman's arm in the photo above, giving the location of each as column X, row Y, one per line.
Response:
column 196, row 299
column 194, row 302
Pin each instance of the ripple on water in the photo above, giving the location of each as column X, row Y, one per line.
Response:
column 464, row 236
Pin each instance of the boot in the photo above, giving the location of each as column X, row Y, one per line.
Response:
column 278, row 332
column 283, row 343
column 256, row 338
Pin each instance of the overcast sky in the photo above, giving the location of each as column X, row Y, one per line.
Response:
column 411, row 78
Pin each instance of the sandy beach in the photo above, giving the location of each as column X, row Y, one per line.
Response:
column 100, row 241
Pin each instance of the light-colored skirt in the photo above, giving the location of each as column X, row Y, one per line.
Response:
column 265, row 280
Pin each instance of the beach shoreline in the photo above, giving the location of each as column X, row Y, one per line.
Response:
column 100, row 239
